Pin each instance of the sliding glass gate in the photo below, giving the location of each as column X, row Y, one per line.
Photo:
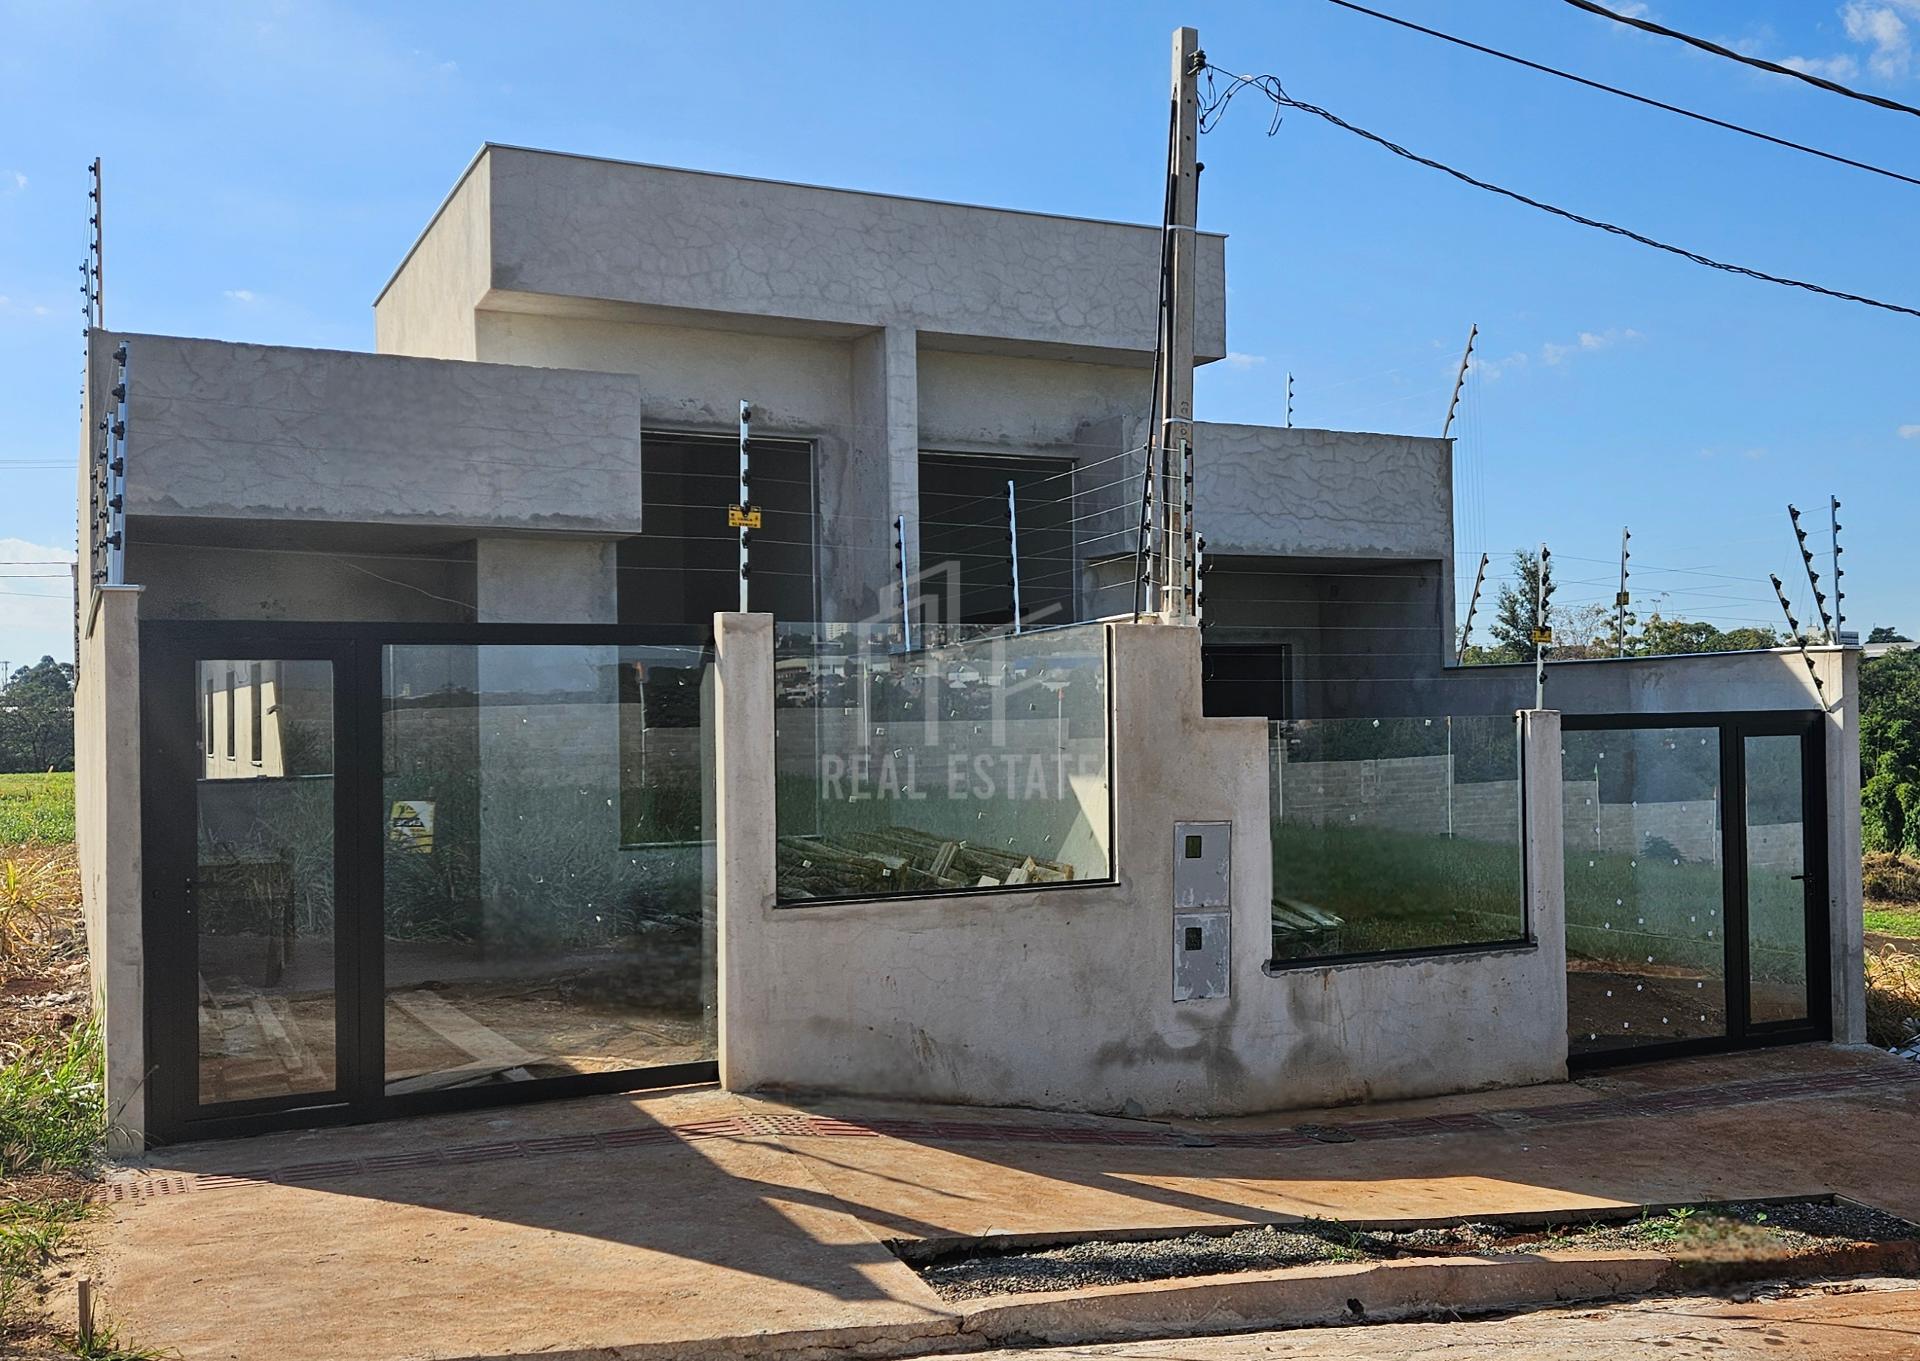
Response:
column 1696, row 883
column 393, row 869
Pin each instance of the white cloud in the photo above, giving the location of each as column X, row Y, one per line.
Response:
column 1555, row 352
column 1877, row 25
column 1839, row 67
column 1882, row 28
column 1633, row 9
column 1243, row 362
column 1587, row 342
column 1909, row 432
column 242, row 295
column 19, row 180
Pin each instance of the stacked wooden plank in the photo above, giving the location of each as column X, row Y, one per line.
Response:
column 901, row 860
column 1294, row 917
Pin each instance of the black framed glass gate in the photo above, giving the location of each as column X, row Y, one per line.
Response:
column 1696, row 883
column 401, row 868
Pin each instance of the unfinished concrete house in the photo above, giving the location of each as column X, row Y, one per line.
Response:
column 436, row 750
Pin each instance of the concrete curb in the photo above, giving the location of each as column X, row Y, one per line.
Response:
column 1295, row 1297
column 1305, row 1296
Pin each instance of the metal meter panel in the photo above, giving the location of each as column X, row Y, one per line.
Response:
column 1202, row 949
column 1202, row 865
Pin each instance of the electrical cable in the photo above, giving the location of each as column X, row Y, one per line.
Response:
column 1629, row 94
column 1759, row 63
column 1216, row 105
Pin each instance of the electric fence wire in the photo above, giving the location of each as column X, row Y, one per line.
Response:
column 1216, row 101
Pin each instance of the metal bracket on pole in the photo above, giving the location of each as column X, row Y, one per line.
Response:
column 1459, row 379
column 1542, row 630
column 900, row 555
column 1620, row 598
column 1200, row 580
column 743, row 513
column 1793, row 629
column 1013, row 552
column 1839, row 596
column 1473, row 604
column 1813, row 577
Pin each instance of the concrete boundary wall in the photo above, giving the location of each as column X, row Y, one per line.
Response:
column 1062, row 998
column 106, row 764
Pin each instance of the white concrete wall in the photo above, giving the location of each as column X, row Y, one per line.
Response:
column 106, row 721
column 1063, row 998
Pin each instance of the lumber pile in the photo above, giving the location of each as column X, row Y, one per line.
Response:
column 901, row 860
column 1294, row 917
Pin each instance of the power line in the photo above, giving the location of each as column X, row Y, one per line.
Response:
column 1270, row 87
column 1831, row 86
column 1648, row 100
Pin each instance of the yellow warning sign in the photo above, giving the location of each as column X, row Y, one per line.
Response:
column 737, row 518
column 410, row 825
column 1541, row 636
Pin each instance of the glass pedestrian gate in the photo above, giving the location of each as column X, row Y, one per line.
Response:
column 396, row 869
column 1696, row 883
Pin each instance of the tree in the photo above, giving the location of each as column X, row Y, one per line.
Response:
column 1517, row 612
column 36, row 717
column 1885, row 634
column 1890, row 752
column 1664, row 637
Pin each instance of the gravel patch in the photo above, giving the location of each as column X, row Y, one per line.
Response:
column 1082, row 1265
column 1742, row 1231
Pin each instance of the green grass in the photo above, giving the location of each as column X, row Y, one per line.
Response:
column 52, row 1103
column 36, row 809
column 1901, row 922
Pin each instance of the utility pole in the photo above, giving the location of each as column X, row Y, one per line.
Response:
column 1620, row 598
column 1175, row 435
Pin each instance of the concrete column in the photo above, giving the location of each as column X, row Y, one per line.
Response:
column 106, row 713
column 1543, row 806
column 744, row 838
column 879, row 479
column 1839, row 671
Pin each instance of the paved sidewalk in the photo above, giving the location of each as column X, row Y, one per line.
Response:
column 700, row 1223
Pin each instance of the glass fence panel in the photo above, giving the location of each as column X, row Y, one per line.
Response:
column 1395, row 834
column 548, row 871
column 972, row 760
column 1646, row 910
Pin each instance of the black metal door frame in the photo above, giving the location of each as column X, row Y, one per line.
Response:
column 169, row 772
column 1733, row 730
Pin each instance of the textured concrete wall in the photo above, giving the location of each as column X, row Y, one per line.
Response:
column 428, row 309
column 1265, row 489
column 1016, row 405
column 106, row 723
column 1062, row 998
column 258, row 432
column 574, row 227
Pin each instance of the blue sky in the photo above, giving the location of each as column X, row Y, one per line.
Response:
column 268, row 165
